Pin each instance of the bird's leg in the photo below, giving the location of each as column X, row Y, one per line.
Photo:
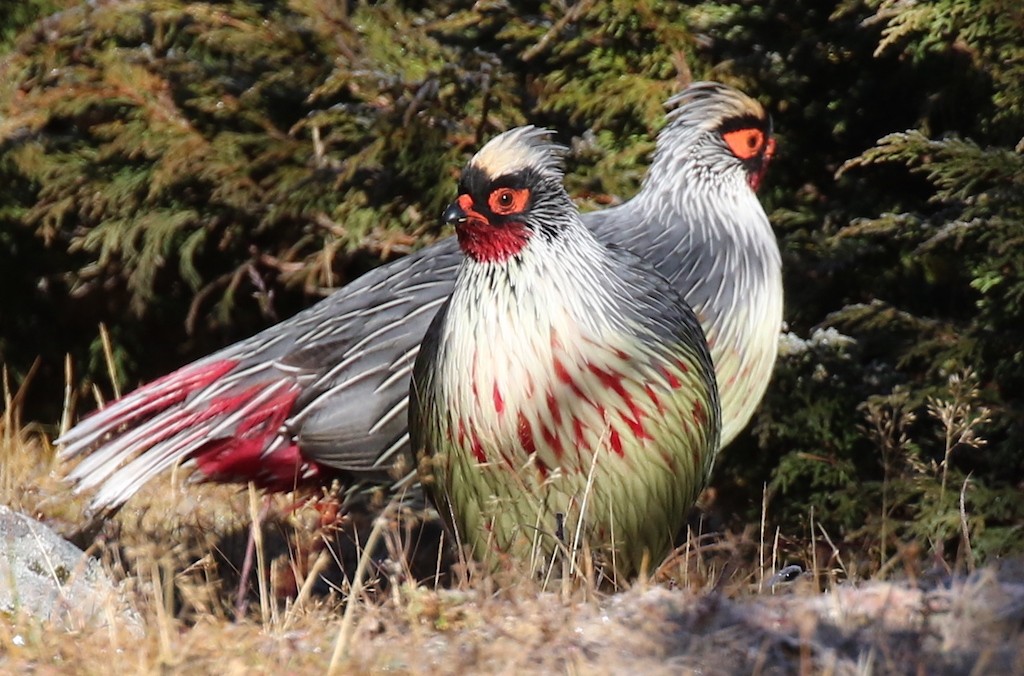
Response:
column 566, row 554
column 247, row 561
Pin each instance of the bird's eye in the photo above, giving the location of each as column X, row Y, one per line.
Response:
column 745, row 143
column 505, row 201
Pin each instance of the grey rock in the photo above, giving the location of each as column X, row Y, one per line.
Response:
column 45, row 576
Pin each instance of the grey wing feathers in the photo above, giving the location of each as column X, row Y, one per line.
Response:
column 668, row 246
column 352, row 415
column 680, row 247
column 658, row 306
column 421, row 387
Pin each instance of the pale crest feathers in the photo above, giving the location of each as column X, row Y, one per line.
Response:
column 521, row 148
column 705, row 105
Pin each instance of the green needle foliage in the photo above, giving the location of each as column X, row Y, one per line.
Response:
column 187, row 173
column 910, row 244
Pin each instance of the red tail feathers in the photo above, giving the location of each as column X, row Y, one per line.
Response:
column 258, row 450
column 230, row 425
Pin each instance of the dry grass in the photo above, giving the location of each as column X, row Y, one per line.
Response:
column 718, row 605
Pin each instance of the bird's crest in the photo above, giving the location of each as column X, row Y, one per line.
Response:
column 521, row 148
column 705, row 105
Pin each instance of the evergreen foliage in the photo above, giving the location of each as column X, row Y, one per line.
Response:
column 189, row 172
column 18, row 15
column 913, row 250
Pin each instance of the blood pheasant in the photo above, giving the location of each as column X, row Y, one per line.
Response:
column 564, row 395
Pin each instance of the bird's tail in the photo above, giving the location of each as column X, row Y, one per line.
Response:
column 227, row 423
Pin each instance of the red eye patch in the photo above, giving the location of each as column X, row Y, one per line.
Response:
column 504, row 201
column 745, row 143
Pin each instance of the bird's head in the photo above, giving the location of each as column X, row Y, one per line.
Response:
column 719, row 129
column 510, row 192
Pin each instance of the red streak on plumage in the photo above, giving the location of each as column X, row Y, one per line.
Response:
column 613, row 381
column 669, row 461
column 462, row 434
column 478, row 448
column 654, row 398
column 609, row 379
column 698, row 413
column 561, row 372
column 674, row 382
column 552, row 441
column 499, row 403
column 577, row 434
column 238, row 455
column 163, row 393
column 472, row 381
column 154, row 400
column 563, row 375
column 613, row 435
column 616, row 442
column 187, row 380
column 242, row 456
column 283, row 470
column 556, row 412
column 526, row 435
column 636, row 427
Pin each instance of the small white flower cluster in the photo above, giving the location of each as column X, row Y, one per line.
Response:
column 792, row 344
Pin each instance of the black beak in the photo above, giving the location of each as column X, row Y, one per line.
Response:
column 454, row 214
